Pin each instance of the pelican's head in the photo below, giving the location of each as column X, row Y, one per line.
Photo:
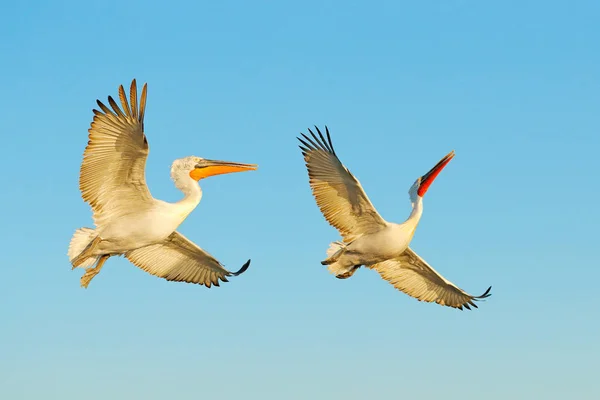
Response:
column 199, row 168
column 421, row 185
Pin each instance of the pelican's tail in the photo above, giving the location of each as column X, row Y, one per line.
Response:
column 334, row 252
column 338, row 267
column 80, row 242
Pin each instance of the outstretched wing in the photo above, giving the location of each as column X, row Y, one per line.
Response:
column 112, row 177
column 412, row 275
column 179, row 259
column 338, row 193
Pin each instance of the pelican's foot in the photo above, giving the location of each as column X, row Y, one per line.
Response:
column 90, row 273
column 348, row 274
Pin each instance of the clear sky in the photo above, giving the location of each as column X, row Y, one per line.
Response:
column 512, row 86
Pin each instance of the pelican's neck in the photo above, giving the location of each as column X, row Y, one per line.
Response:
column 417, row 211
column 190, row 188
column 192, row 193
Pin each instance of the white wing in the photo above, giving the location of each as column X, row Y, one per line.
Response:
column 412, row 275
column 112, row 178
column 338, row 193
column 179, row 259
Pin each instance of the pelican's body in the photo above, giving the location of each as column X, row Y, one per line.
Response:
column 368, row 239
column 142, row 228
column 129, row 221
column 387, row 243
column 151, row 223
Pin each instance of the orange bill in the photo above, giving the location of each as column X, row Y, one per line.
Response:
column 207, row 168
column 429, row 177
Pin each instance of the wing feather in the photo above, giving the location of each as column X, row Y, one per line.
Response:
column 338, row 193
column 179, row 259
column 124, row 102
column 112, row 176
column 413, row 276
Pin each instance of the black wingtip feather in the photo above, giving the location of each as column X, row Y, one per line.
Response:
column 308, row 146
column 471, row 303
column 243, row 269
column 485, row 295
column 316, row 145
column 323, row 141
column 329, row 139
column 320, row 142
column 476, row 298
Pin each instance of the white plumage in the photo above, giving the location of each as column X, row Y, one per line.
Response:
column 368, row 239
column 129, row 221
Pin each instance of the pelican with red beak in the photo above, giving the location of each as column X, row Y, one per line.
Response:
column 370, row 240
column 129, row 221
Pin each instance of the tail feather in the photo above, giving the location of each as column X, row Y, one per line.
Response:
column 334, row 252
column 338, row 268
column 334, row 247
column 81, row 238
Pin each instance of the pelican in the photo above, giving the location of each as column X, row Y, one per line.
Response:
column 128, row 220
column 370, row 240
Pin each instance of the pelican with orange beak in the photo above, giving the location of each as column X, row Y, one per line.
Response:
column 370, row 240
column 129, row 221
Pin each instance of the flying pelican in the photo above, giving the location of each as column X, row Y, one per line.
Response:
column 370, row 240
column 129, row 221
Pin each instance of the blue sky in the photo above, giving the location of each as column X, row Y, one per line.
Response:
column 513, row 87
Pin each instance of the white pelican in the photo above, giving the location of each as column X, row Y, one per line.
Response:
column 370, row 240
column 129, row 221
